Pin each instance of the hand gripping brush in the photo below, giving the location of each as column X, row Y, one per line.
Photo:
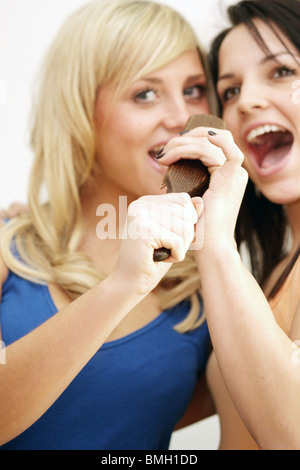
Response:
column 189, row 176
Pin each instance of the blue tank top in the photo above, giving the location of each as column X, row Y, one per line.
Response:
column 129, row 396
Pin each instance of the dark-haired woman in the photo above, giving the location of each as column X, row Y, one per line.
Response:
column 255, row 330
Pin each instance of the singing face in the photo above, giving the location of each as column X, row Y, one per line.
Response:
column 258, row 94
column 149, row 113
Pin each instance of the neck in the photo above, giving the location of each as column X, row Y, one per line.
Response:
column 293, row 211
column 104, row 212
column 105, row 200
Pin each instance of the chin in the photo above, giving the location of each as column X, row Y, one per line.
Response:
column 282, row 195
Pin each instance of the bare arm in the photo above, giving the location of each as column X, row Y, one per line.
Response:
column 42, row 364
column 253, row 353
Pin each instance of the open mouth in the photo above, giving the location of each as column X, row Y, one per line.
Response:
column 153, row 153
column 156, row 150
column 269, row 145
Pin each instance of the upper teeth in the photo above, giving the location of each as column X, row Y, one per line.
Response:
column 263, row 130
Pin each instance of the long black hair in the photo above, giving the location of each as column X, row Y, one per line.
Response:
column 262, row 225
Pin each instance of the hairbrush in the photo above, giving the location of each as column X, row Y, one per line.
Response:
column 189, row 176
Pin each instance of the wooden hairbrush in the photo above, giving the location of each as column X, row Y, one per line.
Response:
column 189, row 176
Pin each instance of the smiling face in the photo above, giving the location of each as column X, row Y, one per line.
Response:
column 256, row 91
column 149, row 113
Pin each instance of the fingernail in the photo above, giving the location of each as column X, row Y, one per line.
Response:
column 183, row 132
column 160, row 152
column 159, row 156
column 212, row 133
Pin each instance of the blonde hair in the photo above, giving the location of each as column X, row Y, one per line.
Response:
column 105, row 41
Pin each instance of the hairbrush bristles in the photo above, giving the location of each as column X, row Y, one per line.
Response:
column 186, row 175
column 191, row 176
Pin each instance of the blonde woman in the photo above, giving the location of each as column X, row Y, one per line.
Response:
column 100, row 353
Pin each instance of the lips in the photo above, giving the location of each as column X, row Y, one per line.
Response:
column 269, row 145
column 152, row 154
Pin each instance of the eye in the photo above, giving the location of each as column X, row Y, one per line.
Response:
column 195, row 92
column 284, row 71
column 145, row 96
column 230, row 93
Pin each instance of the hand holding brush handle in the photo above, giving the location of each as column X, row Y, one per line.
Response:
column 189, row 176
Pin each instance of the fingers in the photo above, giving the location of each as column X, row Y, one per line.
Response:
column 173, row 206
column 198, row 204
column 192, row 148
column 213, row 147
column 231, row 174
column 217, row 150
column 13, row 210
column 165, row 221
column 224, row 140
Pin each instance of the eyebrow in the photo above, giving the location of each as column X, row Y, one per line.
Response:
column 225, row 77
column 150, row 79
column 196, row 77
column 265, row 59
column 274, row 56
column 159, row 80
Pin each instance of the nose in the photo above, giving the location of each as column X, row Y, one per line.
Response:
column 253, row 96
column 176, row 114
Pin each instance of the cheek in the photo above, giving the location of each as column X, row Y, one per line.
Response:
column 205, row 108
column 114, row 138
column 127, row 129
column 202, row 108
column 118, row 147
column 230, row 118
column 233, row 126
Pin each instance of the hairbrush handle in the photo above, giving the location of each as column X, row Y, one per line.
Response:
column 186, row 175
column 160, row 254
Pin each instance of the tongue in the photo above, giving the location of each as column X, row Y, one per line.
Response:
column 271, row 148
column 274, row 156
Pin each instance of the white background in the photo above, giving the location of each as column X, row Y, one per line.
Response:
column 26, row 29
